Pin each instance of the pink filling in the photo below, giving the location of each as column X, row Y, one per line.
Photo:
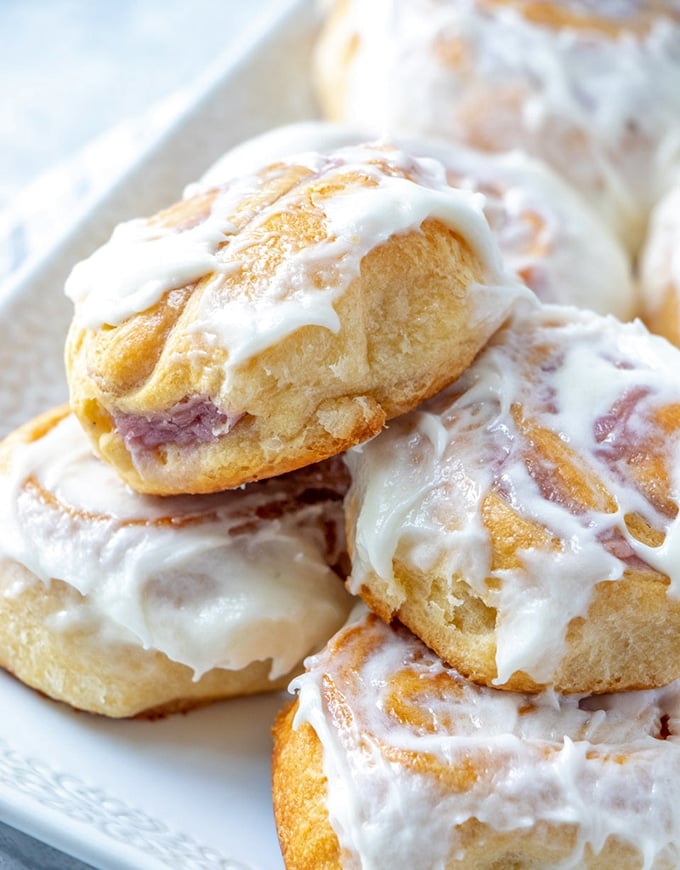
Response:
column 194, row 420
column 617, row 546
column 620, row 431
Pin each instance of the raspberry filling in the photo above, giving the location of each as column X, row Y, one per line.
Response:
column 194, row 420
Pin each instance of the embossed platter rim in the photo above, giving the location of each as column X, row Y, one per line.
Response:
column 188, row 791
column 184, row 792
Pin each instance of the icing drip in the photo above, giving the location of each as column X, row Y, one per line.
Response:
column 211, row 581
column 380, row 702
column 547, row 235
column 594, row 393
column 372, row 193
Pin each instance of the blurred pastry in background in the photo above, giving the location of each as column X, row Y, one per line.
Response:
column 660, row 268
column 591, row 88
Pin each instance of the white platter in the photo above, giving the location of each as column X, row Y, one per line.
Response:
column 187, row 791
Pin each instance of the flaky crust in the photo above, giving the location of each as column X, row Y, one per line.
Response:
column 299, row 787
column 407, row 326
column 629, row 638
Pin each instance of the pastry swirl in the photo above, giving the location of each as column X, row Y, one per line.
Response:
column 390, row 758
column 122, row 604
column 524, row 522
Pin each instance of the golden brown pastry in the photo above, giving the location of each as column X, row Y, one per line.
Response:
column 278, row 319
column 389, row 758
column 592, row 88
column 547, row 234
column 524, row 522
column 127, row 605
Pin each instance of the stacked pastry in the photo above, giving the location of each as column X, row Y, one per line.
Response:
column 176, row 535
column 330, row 342
column 125, row 605
column 515, row 701
column 508, row 692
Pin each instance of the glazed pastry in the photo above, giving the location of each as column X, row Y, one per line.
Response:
column 592, row 88
column 391, row 759
column 547, row 235
column 275, row 321
column 660, row 269
column 123, row 604
column 524, row 523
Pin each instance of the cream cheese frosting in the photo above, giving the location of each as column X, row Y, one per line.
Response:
column 606, row 765
column 392, row 193
column 421, row 485
column 602, row 107
column 215, row 581
column 546, row 233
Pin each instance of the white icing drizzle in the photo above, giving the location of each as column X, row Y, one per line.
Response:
column 597, row 763
column 181, row 574
column 357, row 221
column 143, row 260
column 546, row 233
column 397, row 194
column 421, row 484
column 660, row 258
column 566, row 84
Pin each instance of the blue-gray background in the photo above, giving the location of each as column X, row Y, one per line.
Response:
column 71, row 69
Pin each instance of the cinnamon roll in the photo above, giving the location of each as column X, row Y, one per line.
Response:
column 524, row 522
column 125, row 605
column 389, row 758
column 591, row 87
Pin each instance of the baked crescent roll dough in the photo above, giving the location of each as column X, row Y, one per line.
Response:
column 125, row 605
column 280, row 318
column 388, row 758
column 546, row 232
column 524, row 522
